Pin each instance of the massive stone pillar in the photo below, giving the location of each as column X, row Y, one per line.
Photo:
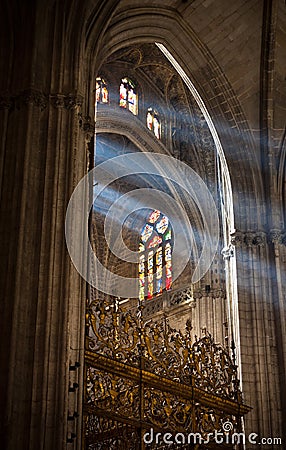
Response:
column 43, row 296
column 260, row 334
column 43, row 156
column 45, row 128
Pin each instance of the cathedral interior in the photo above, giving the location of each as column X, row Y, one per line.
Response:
column 143, row 187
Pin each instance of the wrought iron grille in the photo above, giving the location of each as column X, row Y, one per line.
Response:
column 144, row 375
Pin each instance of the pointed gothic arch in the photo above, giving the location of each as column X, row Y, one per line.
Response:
column 50, row 103
column 174, row 37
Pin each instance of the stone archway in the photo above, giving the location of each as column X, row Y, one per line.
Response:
column 45, row 154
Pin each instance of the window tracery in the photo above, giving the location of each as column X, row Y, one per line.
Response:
column 101, row 95
column 155, row 260
column 153, row 122
column 128, row 97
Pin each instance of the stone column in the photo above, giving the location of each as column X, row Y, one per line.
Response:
column 42, row 311
column 260, row 361
column 277, row 240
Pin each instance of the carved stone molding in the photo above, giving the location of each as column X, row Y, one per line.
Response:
column 28, row 96
column 57, row 100
column 249, row 238
column 5, row 102
column 277, row 237
column 212, row 293
column 258, row 238
column 39, row 99
column 87, row 125
column 69, row 101
column 31, row 96
column 228, row 252
column 182, row 296
column 186, row 297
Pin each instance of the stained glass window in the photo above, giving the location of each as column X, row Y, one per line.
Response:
column 154, row 216
column 150, row 274
column 101, row 91
column 159, row 270
column 128, row 95
column 162, row 226
column 156, row 240
column 141, row 277
column 146, row 232
column 153, row 122
column 168, row 259
column 155, row 260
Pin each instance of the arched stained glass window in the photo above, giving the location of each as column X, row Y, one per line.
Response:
column 128, row 96
column 155, row 259
column 153, row 122
column 101, row 91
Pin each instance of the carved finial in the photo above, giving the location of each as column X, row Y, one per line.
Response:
column 204, row 330
column 189, row 325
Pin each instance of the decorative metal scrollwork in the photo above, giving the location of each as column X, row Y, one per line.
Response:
column 161, row 349
column 110, row 434
column 111, row 392
column 143, row 374
column 112, row 332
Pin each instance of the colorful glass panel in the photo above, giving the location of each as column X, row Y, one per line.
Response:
column 168, row 259
column 159, row 270
column 104, row 95
column 156, row 240
column 168, row 252
column 123, row 96
column 149, row 120
column 101, row 95
column 154, row 216
column 162, row 226
column 156, row 127
column 168, row 235
column 97, row 99
column 132, row 100
column 142, row 277
column 128, row 96
column 168, row 283
column 153, row 122
column 142, row 263
column 155, row 261
column 141, row 290
column 150, row 275
column 168, row 269
column 146, row 233
column 141, row 286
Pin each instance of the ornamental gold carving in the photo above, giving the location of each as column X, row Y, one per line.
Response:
column 142, row 374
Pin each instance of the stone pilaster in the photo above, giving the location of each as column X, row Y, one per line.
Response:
column 43, row 306
column 260, row 361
